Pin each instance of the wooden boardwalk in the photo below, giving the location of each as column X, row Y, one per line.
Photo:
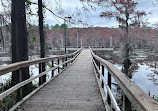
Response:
column 76, row 89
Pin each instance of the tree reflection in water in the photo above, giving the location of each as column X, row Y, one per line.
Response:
column 143, row 71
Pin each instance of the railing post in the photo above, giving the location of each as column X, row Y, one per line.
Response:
column 58, row 64
column 109, row 84
column 65, row 61
column 72, row 58
column 99, row 65
column 123, row 102
column 52, row 67
column 20, row 90
column 68, row 62
column 103, row 76
column 126, row 104
column 96, row 62
column 42, row 69
column 99, row 71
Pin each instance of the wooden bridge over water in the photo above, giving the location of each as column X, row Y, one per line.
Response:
column 79, row 87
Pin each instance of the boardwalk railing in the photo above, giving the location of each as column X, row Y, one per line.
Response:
column 132, row 93
column 66, row 59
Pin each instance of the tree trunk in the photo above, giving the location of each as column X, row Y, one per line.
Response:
column 42, row 42
column 19, row 45
column 2, row 38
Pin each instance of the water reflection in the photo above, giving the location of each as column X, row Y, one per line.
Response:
column 143, row 71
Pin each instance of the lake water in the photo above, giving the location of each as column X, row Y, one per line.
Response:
column 143, row 71
column 145, row 78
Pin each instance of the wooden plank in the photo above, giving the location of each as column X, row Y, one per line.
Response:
column 35, row 91
column 141, row 100
column 75, row 89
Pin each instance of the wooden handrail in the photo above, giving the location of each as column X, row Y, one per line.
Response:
column 107, row 87
column 141, row 100
column 23, row 83
column 19, row 65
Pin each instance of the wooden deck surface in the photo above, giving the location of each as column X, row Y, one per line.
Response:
column 76, row 89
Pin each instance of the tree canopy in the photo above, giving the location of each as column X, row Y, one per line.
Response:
column 125, row 13
column 57, row 26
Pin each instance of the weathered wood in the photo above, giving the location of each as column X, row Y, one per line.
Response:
column 102, row 91
column 141, row 100
column 108, row 89
column 75, row 89
column 72, row 56
column 103, row 76
column 99, row 65
column 58, row 60
column 52, row 66
column 127, row 104
column 19, row 85
column 33, row 92
column 20, row 92
column 65, row 60
column 18, row 65
column 109, row 84
column 42, row 69
column 123, row 106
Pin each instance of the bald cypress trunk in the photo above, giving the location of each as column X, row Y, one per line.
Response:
column 19, row 45
column 42, row 41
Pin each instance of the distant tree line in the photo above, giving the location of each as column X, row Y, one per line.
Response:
column 56, row 26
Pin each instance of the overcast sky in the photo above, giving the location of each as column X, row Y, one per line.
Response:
column 91, row 17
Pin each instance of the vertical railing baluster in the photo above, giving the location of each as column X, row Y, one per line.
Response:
column 20, row 90
column 99, row 71
column 62, row 62
column 65, row 61
column 126, row 104
column 123, row 102
column 109, row 84
column 72, row 57
column 96, row 62
column 40, row 70
column 103, row 76
column 68, row 59
column 52, row 67
column 99, row 65
column 59, row 66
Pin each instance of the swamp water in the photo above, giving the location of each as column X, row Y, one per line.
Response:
column 144, row 69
